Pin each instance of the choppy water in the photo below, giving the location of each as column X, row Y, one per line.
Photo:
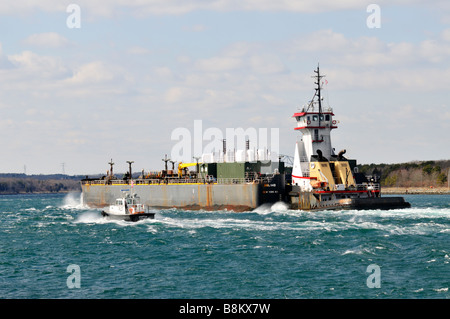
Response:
column 271, row 252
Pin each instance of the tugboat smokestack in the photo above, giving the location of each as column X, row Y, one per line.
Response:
column 319, row 152
column 341, row 154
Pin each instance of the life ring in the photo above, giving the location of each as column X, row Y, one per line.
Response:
column 334, row 122
column 131, row 210
column 308, row 122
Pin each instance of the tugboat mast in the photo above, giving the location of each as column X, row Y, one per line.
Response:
column 318, row 77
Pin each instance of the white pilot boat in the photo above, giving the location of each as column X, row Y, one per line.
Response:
column 128, row 208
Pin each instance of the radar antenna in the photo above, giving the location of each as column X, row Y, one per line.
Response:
column 317, row 93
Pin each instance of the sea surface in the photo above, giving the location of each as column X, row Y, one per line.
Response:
column 52, row 246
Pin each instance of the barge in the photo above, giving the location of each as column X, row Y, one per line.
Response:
column 318, row 179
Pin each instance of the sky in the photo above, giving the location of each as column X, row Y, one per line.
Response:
column 113, row 79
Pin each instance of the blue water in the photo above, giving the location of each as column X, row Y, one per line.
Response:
column 271, row 252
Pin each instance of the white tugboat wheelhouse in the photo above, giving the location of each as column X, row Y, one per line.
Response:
column 316, row 165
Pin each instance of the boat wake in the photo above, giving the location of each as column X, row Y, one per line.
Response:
column 412, row 221
column 278, row 216
column 90, row 217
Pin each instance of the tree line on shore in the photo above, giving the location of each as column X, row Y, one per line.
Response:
column 55, row 183
column 411, row 174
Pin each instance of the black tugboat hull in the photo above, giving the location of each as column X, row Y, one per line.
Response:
column 351, row 201
column 376, row 203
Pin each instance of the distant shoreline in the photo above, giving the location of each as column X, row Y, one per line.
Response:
column 40, row 193
column 416, row 190
column 20, row 185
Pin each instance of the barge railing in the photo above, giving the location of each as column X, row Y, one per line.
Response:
column 171, row 181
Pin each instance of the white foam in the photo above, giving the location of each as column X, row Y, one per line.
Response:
column 358, row 251
column 441, row 289
column 73, row 201
column 278, row 207
column 89, row 217
column 263, row 209
column 238, row 223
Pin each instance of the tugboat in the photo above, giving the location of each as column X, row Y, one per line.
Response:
column 128, row 208
column 322, row 179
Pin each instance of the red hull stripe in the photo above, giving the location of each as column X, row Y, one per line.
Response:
column 340, row 192
column 321, row 127
column 304, row 113
column 303, row 177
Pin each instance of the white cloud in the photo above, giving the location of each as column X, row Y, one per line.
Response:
column 266, row 64
column 240, row 49
column 92, row 72
column 176, row 7
column 25, row 6
column 220, row 63
column 163, row 73
column 28, row 62
column 138, row 50
column 89, row 94
column 4, row 61
column 195, row 28
column 320, row 41
column 434, row 51
column 48, row 39
column 370, row 63
column 274, row 100
column 370, row 51
column 182, row 96
column 175, row 94
column 445, row 34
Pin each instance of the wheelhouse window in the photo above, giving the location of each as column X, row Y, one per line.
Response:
column 327, row 117
column 315, row 117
